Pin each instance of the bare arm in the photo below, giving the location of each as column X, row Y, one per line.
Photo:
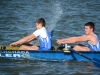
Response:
column 74, row 39
column 24, row 40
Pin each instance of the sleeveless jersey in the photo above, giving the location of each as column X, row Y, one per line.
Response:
column 95, row 47
column 44, row 38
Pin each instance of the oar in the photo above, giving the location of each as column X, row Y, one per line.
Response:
column 7, row 47
column 94, row 60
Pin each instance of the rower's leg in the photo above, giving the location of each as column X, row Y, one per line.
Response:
column 25, row 47
column 81, row 48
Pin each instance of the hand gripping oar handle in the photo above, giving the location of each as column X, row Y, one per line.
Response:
column 94, row 60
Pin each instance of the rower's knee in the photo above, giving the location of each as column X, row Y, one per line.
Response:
column 77, row 47
column 22, row 47
column 81, row 48
column 25, row 47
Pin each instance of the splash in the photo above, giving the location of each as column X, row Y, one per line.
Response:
column 57, row 12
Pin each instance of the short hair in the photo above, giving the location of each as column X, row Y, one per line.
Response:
column 42, row 21
column 91, row 25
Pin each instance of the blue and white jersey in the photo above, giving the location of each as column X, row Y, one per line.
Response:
column 44, row 38
column 95, row 47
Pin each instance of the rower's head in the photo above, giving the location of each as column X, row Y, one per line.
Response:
column 40, row 23
column 89, row 27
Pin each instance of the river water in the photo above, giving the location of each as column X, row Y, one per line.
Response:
column 65, row 17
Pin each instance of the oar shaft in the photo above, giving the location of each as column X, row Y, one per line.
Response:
column 81, row 54
column 8, row 48
column 94, row 60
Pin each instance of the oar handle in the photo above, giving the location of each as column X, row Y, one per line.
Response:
column 7, row 47
column 3, row 47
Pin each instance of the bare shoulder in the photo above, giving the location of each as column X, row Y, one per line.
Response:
column 87, row 37
column 91, row 37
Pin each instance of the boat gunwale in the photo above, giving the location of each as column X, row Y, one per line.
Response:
column 50, row 51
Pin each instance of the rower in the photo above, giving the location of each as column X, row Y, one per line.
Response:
column 41, row 34
column 89, row 36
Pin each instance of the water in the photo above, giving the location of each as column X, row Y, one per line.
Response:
column 67, row 18
column 27, row 67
